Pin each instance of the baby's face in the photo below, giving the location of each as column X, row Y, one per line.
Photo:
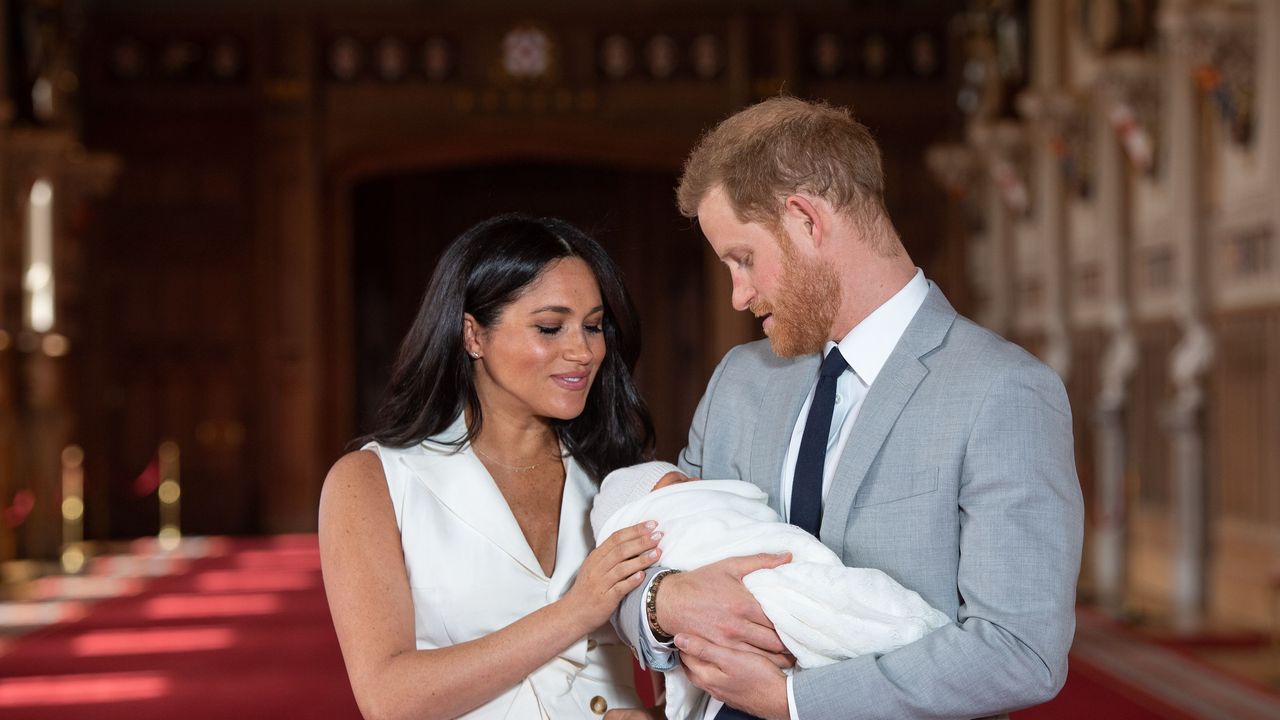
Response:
column 671, row 478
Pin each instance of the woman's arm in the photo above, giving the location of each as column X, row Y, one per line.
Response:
column 372, row 608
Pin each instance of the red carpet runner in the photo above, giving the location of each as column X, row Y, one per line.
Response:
column 244, row 632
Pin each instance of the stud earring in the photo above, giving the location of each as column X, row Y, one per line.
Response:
column 474, row 355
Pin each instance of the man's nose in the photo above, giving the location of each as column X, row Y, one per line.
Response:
column 743, row 294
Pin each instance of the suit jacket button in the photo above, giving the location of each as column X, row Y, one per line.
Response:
column 591, row 643
column 599, row 705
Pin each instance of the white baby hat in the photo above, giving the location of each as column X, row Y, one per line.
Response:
column 624, row 486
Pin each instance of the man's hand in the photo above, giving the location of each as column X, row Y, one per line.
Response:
column 711, row 602
column 744, row 680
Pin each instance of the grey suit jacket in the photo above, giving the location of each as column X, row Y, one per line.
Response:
column 958, row 481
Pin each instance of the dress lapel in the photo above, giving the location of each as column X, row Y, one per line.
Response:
column 574, row 540
column 460, row 482
column 888, row 395
column 776, row 418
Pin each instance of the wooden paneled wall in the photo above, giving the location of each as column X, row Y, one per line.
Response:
column 222, row 298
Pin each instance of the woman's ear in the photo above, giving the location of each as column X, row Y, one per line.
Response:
column 471, row 336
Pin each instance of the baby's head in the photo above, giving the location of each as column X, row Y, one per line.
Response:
column 675, row 477
column 628, row 484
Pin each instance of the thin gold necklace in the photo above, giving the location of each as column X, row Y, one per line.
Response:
column 512, row 468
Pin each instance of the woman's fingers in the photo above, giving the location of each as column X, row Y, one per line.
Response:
column 636, row 564
column 638, row 530
column 637, row 547
column 626, row 585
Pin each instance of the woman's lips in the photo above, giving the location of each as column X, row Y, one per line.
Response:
column 572, row 381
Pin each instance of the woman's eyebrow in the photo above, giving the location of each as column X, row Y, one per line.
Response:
column 561, row 309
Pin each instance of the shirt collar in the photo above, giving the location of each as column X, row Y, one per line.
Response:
column 867, row 346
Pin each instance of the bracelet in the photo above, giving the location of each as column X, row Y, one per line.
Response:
column 651, row 608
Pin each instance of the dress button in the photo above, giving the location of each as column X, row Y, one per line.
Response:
column 599, row 705
column 591, row 643
column 839, row 398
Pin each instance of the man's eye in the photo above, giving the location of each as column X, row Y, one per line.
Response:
column 548, row 329
column 745, row 261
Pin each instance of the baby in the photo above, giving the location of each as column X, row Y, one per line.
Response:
column 823, row 611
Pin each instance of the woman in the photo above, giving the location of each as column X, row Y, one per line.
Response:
column 451, row 542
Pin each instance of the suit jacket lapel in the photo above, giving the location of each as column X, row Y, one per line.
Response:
column 888, row 395
column 776, row 419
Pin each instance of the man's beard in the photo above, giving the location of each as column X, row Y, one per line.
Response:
column 805, row 308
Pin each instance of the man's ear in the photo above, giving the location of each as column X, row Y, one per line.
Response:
column 805, row 220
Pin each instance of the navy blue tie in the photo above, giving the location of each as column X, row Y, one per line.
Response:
column 806, row 486
column 806, row 489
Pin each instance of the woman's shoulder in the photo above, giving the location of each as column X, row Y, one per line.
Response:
column 356, row 475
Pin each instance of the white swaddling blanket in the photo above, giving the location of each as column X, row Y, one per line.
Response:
column 823, row 611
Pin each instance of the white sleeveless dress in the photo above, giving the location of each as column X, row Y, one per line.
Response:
column 471, row 572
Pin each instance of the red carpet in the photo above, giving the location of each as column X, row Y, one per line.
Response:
column 241, row 634
column 244, row 632
column 1091, row 693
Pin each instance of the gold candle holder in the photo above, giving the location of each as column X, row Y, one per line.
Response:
column 170, row 494
column 73, row 555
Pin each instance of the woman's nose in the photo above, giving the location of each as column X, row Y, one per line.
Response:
column 578, row 347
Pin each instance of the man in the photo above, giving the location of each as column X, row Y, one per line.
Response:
column 904, row 436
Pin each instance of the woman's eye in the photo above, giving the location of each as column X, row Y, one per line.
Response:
column 548, row 329
column 594, row 329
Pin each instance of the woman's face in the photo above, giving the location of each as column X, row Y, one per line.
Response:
column 541, row 355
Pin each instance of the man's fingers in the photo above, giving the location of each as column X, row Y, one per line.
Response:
column 763, row 638
column 781, row 660
column 700, row 671
column 690, row 645
column 701, row 649
column 746, row 565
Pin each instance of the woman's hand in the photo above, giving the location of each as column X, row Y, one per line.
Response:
column 611, row 571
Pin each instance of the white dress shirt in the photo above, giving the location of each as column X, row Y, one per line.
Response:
column 866, row 348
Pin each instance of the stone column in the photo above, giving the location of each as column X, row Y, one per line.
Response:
column 1119, row 360
column 998, row 146
column 1049, row 112
column 1190, row 361
column 1046, row 108
column 955, row 167
column 1269, row 57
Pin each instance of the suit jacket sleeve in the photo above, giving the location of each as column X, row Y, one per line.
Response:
column 1021, row 517
column 629, row 618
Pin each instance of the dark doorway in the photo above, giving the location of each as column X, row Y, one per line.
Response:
column 402, row 224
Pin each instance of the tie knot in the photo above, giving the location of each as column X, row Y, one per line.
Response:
column 834, row 364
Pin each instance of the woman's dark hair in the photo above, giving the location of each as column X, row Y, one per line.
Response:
column 481, row 273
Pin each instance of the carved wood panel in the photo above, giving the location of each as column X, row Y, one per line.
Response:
column 1083, row 386
column 1244, row 417
column 1148, row 440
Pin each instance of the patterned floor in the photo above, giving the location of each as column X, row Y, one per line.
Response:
column 240, row 628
